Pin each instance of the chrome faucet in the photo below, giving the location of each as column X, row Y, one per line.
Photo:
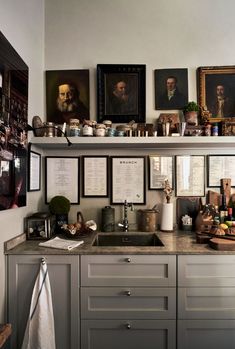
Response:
column 125, row 223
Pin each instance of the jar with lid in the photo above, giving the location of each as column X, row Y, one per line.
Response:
column 215, row 129
column 88, row 128
column 207, row 129
column 100, row 130
column 74, row 127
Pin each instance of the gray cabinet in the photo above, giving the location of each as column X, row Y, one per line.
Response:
column 128, row 301
column 206, row 301
column 64, row 280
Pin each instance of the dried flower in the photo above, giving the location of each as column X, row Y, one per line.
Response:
column 168, row 191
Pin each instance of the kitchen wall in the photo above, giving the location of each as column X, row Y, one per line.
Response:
column 81, row 34
column 22, row 23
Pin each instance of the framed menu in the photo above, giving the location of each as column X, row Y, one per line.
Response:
column 128, row 179
column 34, row 171
column 160, row 169
column 95, row 176
column 220, row 166
column 190, row 175
column 62, row 178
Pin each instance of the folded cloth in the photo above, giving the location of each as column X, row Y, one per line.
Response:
column 40, row 332
column 62, row 244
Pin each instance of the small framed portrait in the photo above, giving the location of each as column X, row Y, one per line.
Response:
column 216, row 91
column 67, row 95
column 171, row 88
column 121, row 92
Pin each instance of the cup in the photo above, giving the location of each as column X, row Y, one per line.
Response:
column 181, row 126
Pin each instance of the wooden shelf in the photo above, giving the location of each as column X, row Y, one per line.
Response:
column 135, row 142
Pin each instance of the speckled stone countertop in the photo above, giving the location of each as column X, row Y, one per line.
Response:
column 174, row 243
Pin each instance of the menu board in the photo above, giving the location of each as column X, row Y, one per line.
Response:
column 220, row 166
column 95, row 182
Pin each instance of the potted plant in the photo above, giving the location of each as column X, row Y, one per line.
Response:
column 191, row 111
column 60, row 206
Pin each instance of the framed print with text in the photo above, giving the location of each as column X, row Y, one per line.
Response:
column 34, row 171
column 128, row 179
column 95, row 176
column 160, row 169
column 190, row 175
column 220, row 166
column 62, row 178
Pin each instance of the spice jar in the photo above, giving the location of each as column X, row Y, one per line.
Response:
column 74, row 129
column 100, row 130
column 88, row 128
column 215, row 129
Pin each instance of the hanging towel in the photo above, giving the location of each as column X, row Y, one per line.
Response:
column 40, row 332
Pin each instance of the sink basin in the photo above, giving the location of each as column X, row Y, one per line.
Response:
column 127, row 239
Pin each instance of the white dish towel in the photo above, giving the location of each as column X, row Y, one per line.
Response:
column 40, row 331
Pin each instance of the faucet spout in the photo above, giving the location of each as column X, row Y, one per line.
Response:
column 125, row 223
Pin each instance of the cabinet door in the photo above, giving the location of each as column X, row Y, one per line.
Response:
column 63, row 273
column 128, row 302
column 133, row 334
column 128, row 270
column 204, row 334
column 206, row 271
column 206, row 303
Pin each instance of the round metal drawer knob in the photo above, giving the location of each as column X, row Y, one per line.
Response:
column 128, row 260
column 128, row 293
column 128, row 326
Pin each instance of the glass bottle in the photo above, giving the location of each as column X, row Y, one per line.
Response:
column 223, row 209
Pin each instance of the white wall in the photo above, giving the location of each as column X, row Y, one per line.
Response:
column 22, row 22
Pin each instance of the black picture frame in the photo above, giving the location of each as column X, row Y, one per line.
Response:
column 63, row 173
column 162, row 169
column 180, row 95
column 132, row 80
column 34, row 171
column 218, row 167
column 124, row 172
column 98, row 184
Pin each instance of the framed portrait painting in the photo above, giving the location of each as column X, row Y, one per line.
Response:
column 121, row 92
column 171, row 88
column 216, row 87
column 67, row 95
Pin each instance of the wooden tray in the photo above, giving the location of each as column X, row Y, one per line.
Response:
column 222, row 244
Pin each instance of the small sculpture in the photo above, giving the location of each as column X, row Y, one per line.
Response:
column 168, row 191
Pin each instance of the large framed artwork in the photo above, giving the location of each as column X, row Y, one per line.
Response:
column 67, row 95
column 171, row 88
column 216, row 86
column 13, row 127
column 121, row 92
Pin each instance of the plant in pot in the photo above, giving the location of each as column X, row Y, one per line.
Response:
column 60, row 206
column 191, row 111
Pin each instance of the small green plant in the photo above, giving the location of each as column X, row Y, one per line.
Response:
column 59, row 205
column 191, row 106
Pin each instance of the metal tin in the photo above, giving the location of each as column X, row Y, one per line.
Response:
column 108, row 219
column 49, row 129
column 87, row 130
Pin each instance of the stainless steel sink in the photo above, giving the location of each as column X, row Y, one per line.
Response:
column 127, row 239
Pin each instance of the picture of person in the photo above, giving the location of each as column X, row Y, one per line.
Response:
column 221, row 105
column 67, row 95
column 171, row 90
column 122, row 98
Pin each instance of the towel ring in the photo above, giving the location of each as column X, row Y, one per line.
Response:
column 43, row 260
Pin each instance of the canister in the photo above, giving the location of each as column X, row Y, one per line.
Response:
column 87, row 130
column 108, row 219
column 100, row 130
column 74, row 127
column 147, row 220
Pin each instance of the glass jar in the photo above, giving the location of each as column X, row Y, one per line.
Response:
column 74, row 127
column 207, row 130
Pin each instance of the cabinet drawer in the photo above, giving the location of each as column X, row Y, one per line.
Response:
column 133, row 334
column 204, row 334
column 206, row 303
column 124, row 303
column 128, row 270
column 204, row 270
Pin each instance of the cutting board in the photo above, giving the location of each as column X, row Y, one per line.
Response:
column 222, row 244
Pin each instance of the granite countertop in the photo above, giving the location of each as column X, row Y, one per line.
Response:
column 174, row 243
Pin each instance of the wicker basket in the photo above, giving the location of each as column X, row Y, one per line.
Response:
column 77, row 229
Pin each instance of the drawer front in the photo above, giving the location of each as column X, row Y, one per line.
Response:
column 124, row 303
column 204, row 334
column 206, row 303
column 204, row 270
column 133, row 334
column 128, row 270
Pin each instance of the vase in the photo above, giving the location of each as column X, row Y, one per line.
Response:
column 167, row 217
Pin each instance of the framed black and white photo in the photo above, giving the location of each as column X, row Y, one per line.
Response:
column 220, row 166
column 62, row 178
column 160, row 168
column 95, row 176
column 128, row 179
column 34, row 171
column 190, row 175
column 121, row 92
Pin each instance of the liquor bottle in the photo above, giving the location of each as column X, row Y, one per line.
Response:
column 223, row 209
column 229, row 217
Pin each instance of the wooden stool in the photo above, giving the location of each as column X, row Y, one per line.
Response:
column 5, row 332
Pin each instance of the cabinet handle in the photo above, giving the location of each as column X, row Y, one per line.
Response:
column 128, row 326
column 128, row 260
column 128, row 293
